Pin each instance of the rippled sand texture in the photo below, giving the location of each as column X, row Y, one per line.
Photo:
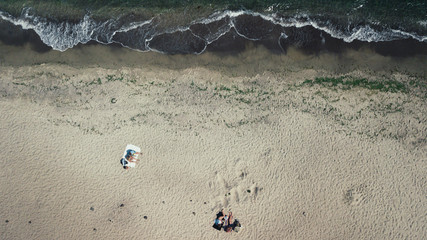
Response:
column 292, row 160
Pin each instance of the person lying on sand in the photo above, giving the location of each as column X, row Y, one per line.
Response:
column 130, row 159
column 220, row 220
column 131, row 156
column 228, row 223
column 231, row 224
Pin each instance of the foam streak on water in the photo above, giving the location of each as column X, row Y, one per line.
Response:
column 194, row 38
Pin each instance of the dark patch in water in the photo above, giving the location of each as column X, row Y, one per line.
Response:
column 400, row 48
column 211, row 31
column 305, row 38
column 253, row 27
column 180, row 42
column 230, row 42
column 11, row 34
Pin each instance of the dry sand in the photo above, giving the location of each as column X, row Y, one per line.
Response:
column 291, row 161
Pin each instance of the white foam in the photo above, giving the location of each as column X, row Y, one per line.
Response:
column 284, row 36
column 64, row 35
column 60, row 36
column 361, row 33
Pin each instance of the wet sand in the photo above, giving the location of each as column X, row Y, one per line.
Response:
column 243, row 132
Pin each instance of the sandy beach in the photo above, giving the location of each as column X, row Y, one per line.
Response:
column 255, row 134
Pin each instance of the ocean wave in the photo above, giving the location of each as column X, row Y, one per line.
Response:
column 60, row 36
column 195, row 37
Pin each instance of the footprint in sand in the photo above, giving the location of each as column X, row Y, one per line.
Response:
column 254, row 190
column 242, row 174
column 221, row 182
column 355, row 196
column 234, row 192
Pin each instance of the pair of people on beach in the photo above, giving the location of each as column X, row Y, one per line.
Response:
column 130, row 160
column 226, row 221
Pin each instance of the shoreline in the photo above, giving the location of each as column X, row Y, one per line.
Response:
column 257, row 56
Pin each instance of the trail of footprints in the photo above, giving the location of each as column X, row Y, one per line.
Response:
column 234, row 189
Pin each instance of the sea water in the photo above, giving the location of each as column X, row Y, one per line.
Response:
column 193, row 27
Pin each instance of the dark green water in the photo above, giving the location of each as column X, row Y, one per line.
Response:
column 388, row 11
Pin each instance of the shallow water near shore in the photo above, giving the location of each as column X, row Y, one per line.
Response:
column 252, row 60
